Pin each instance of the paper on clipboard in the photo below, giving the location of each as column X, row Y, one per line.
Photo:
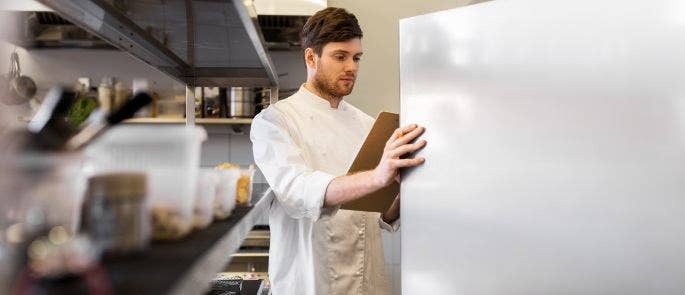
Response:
column 368, row 158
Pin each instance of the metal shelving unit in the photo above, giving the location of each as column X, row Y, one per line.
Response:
column 197, row 42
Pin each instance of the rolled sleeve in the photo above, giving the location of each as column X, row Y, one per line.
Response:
column 298, row 188
column 392, row 227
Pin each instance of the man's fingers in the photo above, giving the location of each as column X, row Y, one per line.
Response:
column 407, row 137
column 401, row 131
column 408, row 128
column 407, row 148
column 395, row 135
column 403, row 163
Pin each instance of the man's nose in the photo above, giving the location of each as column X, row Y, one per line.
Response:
column 351, row 66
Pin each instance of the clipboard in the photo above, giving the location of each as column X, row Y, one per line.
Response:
column 368, row 157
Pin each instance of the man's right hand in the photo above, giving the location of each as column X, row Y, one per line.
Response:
column 397, row 146
column 346, row 188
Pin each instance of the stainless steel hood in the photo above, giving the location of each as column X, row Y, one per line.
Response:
column 200, row 42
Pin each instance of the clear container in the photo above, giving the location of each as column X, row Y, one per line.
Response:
column 37, row 190
column 204, row 200
column 170, row 156
column 244, row 186
column 114, row 214
column 51, row 185
column 225, row 199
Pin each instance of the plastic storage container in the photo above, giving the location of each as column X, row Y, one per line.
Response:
column 204, row 200
column 225, row 199
column 170, row 156
column 244, row 186
column 51, row 185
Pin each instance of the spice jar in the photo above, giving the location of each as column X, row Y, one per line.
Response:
column 114, row 213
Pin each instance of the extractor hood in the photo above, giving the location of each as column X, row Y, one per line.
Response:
column 289, row 7
column 198, row 42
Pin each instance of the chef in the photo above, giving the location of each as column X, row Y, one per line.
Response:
column 304, row 146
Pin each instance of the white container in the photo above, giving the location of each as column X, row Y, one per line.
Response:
column 244, row 186
column 170, row 156
column 204, row 200
column 51, row 185
column 224, row 202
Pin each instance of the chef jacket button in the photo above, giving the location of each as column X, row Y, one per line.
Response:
column 361, row 231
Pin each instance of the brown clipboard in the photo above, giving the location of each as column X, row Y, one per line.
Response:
column 368, row 157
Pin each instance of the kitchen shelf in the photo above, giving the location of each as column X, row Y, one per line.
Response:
column 187, row 266
column 251, row 253
column 197, row 42
column 202, row 121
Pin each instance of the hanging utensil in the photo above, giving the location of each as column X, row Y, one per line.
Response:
column 19, row 88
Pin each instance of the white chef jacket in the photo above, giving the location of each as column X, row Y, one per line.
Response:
column 300, row 144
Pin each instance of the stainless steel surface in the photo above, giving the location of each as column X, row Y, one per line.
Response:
column 247, row 14
column 242, row 102
column 201, row 43
column 216, row 259
column 555, row 161
column 105, row 21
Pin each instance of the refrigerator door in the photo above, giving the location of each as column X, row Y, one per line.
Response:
column 555, row 161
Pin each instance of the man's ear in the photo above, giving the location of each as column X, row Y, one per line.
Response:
column 310, row 58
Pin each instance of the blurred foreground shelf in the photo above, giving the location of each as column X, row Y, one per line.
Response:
column 187, row 266
column 203, row 121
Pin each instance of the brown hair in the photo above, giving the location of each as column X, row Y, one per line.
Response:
column 329, row 25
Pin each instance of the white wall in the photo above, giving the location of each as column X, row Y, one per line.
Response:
column 377, row 88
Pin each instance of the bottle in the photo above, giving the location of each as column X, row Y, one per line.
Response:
column 212, row 101
column 199, row 103
column 121, row 94
column 106, row 94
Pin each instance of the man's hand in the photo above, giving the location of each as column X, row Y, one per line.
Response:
column 397, row 146
column 343, row 189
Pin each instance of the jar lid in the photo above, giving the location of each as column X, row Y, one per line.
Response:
column 128, row 185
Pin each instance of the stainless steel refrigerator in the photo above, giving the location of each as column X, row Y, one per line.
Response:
column 555, row 161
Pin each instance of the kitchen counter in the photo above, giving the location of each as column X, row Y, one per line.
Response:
column 187, row 266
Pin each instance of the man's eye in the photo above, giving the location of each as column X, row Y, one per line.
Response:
column 340, row 57
column 357, row 59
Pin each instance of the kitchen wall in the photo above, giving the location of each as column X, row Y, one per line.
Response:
column 377, row 88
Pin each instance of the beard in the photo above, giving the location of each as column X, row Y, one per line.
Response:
column 329, row 86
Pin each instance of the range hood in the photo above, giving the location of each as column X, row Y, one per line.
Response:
column 289, row 7
column 198, row 42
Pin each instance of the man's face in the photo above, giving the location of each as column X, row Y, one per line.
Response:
column 336, row 68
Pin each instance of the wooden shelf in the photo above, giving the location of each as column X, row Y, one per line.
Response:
column 203, row 121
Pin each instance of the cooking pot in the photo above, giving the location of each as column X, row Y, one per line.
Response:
column 242, row 102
